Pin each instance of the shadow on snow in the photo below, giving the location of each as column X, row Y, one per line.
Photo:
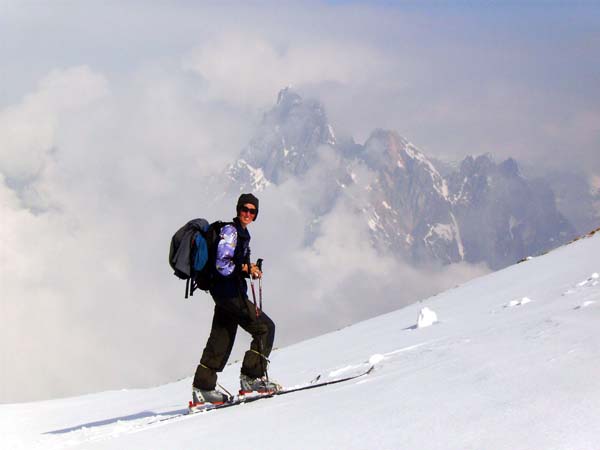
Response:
column 131, row 417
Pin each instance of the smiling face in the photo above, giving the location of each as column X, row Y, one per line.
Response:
column 247, row 214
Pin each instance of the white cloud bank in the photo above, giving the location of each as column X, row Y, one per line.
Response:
column 31, row 129
column 247, row 68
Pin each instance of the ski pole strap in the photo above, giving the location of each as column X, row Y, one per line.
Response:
column 261, row 355
column 259, row 264
column 256, row 308
column 225, row 390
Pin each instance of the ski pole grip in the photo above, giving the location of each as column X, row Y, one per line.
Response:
column 259, row 264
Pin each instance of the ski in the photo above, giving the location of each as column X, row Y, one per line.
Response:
column 242, row 399
column 317, row 384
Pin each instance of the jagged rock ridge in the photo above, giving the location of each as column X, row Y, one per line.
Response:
column 481, row 211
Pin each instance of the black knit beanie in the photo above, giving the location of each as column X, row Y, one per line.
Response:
column 247, row 198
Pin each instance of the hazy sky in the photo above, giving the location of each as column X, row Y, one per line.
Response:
column 109, row 112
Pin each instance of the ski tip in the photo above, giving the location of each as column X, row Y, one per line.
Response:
column 376, row 359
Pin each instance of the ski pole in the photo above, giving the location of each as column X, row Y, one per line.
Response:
column 253, row 291
column 259, row 265
column 258, row 310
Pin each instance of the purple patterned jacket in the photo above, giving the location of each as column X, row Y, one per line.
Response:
column 233, row 250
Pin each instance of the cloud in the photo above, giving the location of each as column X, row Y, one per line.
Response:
column 247, row 67
column 339, row 278
column 95, row 179
column 30, row 130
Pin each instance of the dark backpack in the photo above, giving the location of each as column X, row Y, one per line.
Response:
column 192, row 253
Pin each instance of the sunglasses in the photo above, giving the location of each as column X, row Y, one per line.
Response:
column 248, row 210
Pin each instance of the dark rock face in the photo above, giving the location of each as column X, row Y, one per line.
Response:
column 479, row 212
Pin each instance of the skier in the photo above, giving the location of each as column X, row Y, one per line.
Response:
column 233, row 309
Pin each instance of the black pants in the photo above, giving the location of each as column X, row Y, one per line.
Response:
column 229, row 313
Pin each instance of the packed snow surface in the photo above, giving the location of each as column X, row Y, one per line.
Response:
column 487, row 376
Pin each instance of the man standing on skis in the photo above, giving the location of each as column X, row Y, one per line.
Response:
column 232, row 309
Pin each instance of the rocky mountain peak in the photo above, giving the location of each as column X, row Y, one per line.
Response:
column 481, row 165
column 286, row 143
column 288, row 98
column 484, row 165
column 509, row 168
column 388, row 152
column 384, row 150
column 480, row 211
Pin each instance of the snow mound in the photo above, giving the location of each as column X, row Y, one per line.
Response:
column 519, row 302
column 592, row 280
column 376, row 359
column 427, row 317
column 586, row 304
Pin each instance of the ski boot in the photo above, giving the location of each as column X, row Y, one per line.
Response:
column 206, row 399
column 257, row 386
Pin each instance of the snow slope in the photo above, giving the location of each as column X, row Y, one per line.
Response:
column 511, row 363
